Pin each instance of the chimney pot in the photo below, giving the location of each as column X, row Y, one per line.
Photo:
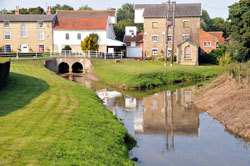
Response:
column 17, row 12
column 49, row 10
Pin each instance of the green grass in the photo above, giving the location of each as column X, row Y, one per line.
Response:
column 4, row 60
column 47, row 120
column 140, row 74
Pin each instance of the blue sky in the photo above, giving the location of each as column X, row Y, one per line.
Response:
column 215, row 8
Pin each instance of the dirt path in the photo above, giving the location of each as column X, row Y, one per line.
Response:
column 228, row 102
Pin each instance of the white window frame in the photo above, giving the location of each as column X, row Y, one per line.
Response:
column 133, row 44
column 171, row 38
column 4, row 34
column 153, row 53
column 43, row 47
column 38, row 25
column 38, row 35
column 78, row 36
column 5, row 48
column 132, row 32
column 190, row 53
column 24, row 30
column 185, row 35
column 156, row 38
column 169, row 52
column 208, row 42
column 66, row 36
column 5, row 24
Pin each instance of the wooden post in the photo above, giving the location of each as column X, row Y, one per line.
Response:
column 17, row 55
column 88, row 54
column 172, row 55
column 36, row 55
column 96, row 54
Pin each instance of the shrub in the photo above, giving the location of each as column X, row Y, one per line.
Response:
column 225, row 60
column 4, row 71
column 67, row 47
column 213, row 56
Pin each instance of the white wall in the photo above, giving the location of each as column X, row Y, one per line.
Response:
column 110, row 31
column 112, row 20
column 59, row 37
column 128, row 28
column 139, row 16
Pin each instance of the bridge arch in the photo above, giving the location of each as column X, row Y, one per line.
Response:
column 63, row 68
column 77, row 67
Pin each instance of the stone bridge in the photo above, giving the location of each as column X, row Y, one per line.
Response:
column 69, row 65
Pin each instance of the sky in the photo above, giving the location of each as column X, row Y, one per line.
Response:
column 215, row 8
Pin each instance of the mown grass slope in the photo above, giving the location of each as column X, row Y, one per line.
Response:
column 47, row 120
column 140, row 74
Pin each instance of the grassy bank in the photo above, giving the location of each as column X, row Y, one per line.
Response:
column 138, row 74
column 47, row 120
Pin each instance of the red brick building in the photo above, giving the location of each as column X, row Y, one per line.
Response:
column 209, row 41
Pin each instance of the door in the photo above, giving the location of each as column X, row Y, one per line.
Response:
column 24, row 48
column 134, row 52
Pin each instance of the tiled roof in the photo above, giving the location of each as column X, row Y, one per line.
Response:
column 26, row 17
column 182, row 10
column 138, row 38
column 219, row 35
column 83, row 19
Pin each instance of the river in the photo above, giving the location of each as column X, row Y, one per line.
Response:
column 171, row 131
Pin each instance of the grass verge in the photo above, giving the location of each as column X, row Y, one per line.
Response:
column 48, row 120
column 130, row 74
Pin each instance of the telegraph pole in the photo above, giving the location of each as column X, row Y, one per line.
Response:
column 173, row 21
column 166, row 33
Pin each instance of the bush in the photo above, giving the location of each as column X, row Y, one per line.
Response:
column 67, row 47
column 4, row 72
column 225, row 60
column 213, row 56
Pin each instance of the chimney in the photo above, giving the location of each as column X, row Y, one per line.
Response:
column 17, row 12
column 49, row 10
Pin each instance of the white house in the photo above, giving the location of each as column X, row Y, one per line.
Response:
column 71, row 27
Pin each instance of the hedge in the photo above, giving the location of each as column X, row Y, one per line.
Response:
column 4, row 71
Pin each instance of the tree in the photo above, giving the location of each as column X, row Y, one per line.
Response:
column 90, row 42
column 205, row 21
column 59, row 7
column 126, row 12
column 67, row 47
column 37, row 10
column 218, row 24
column 85, row 7
column 119, row 28
column 239, row 28
column 4, row 11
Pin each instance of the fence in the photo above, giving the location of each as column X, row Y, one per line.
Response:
column 64, row 53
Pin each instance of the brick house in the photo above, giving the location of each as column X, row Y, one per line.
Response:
column 209, row 41
column 26, row 33
column 153, row 16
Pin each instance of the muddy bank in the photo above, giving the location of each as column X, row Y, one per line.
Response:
column 228, row 102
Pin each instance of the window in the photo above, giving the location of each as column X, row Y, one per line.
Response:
column 6, row 24
column 186, row 24
column 41, row 48
column 154, row 51
column 40, row 35
column 67, row 36
column 7, row 48
column 132, row 32
column 187, row 96
column 154, row 38
column 217, row 44
column 24, row 33
column 6, row 35
column 79, row 36
column 154, row 24
column 207, row 44
column 185, row 37
column 170, row 37
column 40, row 24
column 187, row 52
column 169, row 52
column 133, row 44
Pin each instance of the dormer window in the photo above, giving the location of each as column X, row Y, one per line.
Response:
column 40, row 24
column 6, row 24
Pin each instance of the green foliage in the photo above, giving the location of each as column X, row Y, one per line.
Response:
column 218, row 24
column 90, row 42
column 67, row 47
column 4, row 11
column 85, row 7
column 213, row 56
column 119, row 28
column 239, row 27
column 238, row 52
column 64, row 120
column 4, row 71
column 225, row 60
column 37, row 10
column 239, row 71
column 61, row 7
column 206, row 21
column 126, row 12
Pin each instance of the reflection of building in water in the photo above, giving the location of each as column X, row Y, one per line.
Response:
column 108, row 98
column 130, row 102
column 170, row 113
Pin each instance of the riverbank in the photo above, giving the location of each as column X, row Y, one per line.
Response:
column 228, row 101
column 131, row 74
column 48, row 120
